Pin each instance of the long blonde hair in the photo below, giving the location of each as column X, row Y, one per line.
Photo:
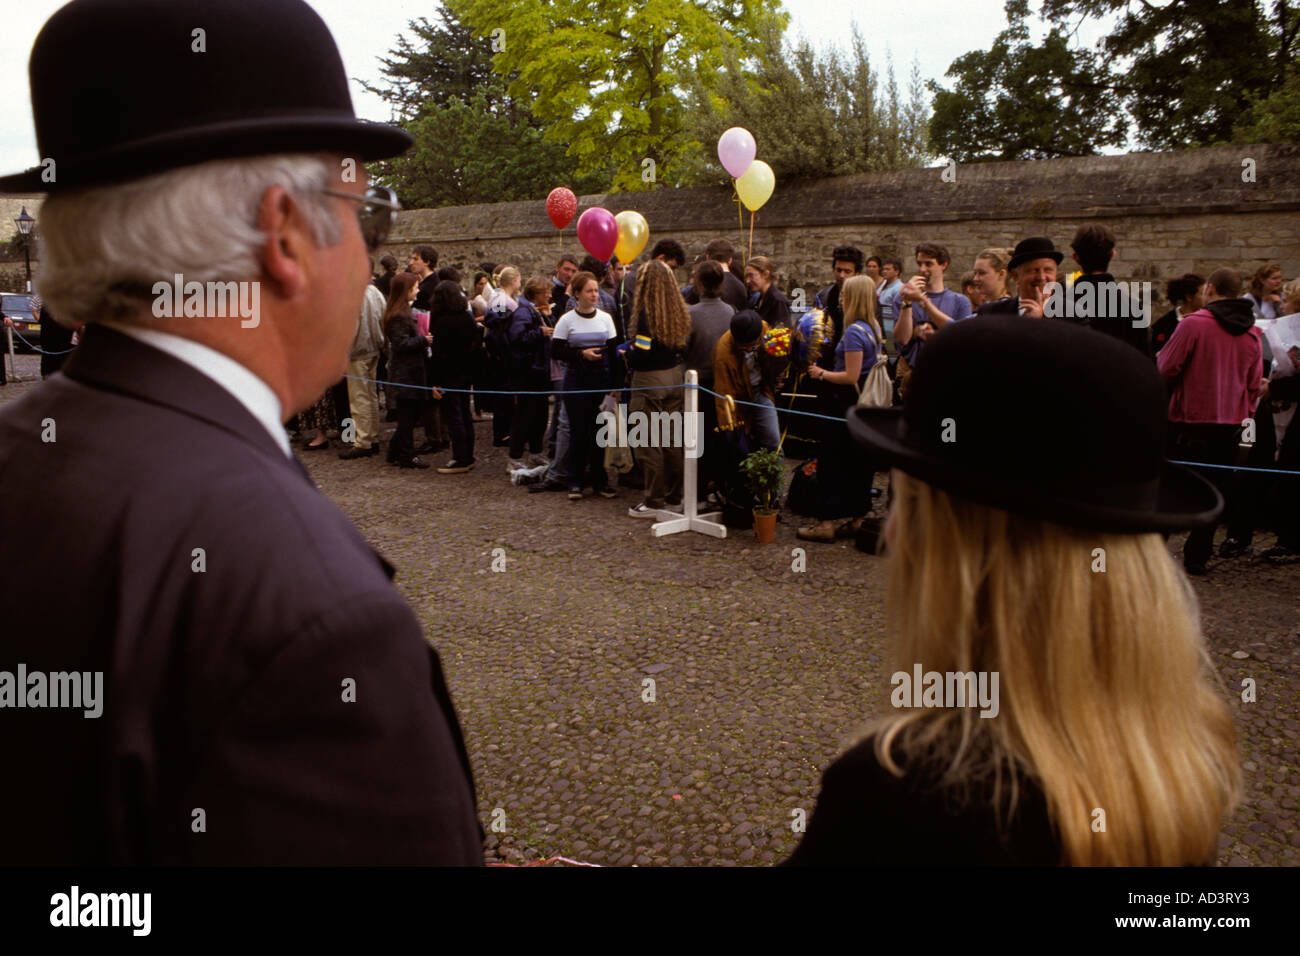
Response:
column 1107, row 698
column 660, row 305
column 858, row 298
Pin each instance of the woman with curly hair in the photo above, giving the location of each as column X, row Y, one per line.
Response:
column 657, row 336
column 1048, row 696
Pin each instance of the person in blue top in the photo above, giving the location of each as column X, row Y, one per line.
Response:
column 932, row 305
column 844, row 472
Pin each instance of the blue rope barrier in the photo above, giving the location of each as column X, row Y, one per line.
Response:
column 37, row 348
column 709, row 391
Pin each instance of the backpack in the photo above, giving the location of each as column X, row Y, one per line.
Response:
column 496, row 328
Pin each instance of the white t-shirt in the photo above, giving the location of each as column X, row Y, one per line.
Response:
column 585, row 333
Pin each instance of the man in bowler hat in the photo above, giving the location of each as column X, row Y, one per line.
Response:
column 209, row 664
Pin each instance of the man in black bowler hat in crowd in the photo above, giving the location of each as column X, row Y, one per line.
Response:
column 250, row 686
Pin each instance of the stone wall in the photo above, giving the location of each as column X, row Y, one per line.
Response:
column 1171, row 213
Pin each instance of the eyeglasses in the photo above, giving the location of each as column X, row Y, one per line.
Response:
column 377, row 214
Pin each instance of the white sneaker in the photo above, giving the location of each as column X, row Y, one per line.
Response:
column 513, row 465
column 533, row 460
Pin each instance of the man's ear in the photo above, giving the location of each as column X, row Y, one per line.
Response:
column 288, row 245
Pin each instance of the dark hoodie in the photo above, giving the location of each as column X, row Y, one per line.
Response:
column 1235, row 315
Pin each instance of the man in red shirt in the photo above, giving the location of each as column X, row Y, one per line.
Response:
column 1213, row 365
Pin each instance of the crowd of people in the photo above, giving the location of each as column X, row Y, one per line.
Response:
column 261, row 675
column 542, row 357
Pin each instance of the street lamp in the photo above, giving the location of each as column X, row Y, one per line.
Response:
column 24, row 223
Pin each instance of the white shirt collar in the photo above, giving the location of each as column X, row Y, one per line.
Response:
column 253, row 393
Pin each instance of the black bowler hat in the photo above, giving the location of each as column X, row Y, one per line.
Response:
column 1035, row 247
column 125, row 88
column 1041, row 418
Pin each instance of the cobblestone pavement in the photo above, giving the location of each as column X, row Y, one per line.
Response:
column 762, row 674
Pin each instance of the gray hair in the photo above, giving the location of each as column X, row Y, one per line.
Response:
column 103, row 248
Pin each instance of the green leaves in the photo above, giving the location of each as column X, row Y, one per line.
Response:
column 609, row 76
column 1019, row 100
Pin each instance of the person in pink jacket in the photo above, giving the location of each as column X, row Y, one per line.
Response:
column 1213, row 364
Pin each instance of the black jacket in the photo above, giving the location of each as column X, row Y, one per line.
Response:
column 456, row 337
column 224, row 689
column 866, row 816
column 406, row 354
column 773, row 307
column 1118, row 326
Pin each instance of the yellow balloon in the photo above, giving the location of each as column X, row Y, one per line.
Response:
column 755, row 187
column 633, row 233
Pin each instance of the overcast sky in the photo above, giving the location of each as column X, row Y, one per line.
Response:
column 936, row 32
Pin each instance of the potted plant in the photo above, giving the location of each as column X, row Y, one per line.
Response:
column 763, row 471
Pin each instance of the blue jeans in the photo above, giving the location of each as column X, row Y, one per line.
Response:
column 559, row 465
column 764, row 429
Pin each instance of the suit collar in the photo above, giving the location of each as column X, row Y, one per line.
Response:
column 107, row 359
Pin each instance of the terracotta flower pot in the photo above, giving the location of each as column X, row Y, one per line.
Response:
column 765, row 526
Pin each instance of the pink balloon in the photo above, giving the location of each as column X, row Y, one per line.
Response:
column 598, row 232
column 736, row 150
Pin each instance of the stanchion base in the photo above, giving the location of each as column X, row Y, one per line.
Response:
column 702, row 523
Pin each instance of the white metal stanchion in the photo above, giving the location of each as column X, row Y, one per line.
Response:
column 689, row 519
column 13, row 362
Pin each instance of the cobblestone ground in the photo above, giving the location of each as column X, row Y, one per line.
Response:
column 762, row 675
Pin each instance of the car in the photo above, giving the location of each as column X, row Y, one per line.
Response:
column 17, row 307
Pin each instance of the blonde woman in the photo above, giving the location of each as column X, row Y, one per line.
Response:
column 844, row 471
column 991, row 277
column 1072, row 716
column 657, row 336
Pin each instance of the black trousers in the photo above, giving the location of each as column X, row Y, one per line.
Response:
column 528, row 427
column 409, row 410
column 461, row 425
column 1215, row 445
column 585, row 454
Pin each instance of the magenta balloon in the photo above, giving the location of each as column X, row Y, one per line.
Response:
column 736, row 150
column 598, row 232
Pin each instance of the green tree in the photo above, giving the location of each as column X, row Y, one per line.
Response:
column 1020, row 100
column 474, row 142
column 606, row 77
column 1190, row 68
column 813, row 114
column 1274, row 118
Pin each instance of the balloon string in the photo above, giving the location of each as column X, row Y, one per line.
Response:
column 740, row 210
column 752, row 214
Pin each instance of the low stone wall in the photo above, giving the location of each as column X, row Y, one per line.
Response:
column 1171, row 213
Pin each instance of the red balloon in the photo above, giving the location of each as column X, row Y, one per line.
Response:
column 561, row 206
column 598, row 232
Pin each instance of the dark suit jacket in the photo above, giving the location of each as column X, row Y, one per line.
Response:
column 223, row 689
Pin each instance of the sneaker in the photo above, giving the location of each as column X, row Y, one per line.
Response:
column 641, row 511
column 532, row 460
column 547, row 485
column 675, row 509
column 515, row 464
column 575, row 493
column 607, row 492
column 414, row 463
column 454, row 467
